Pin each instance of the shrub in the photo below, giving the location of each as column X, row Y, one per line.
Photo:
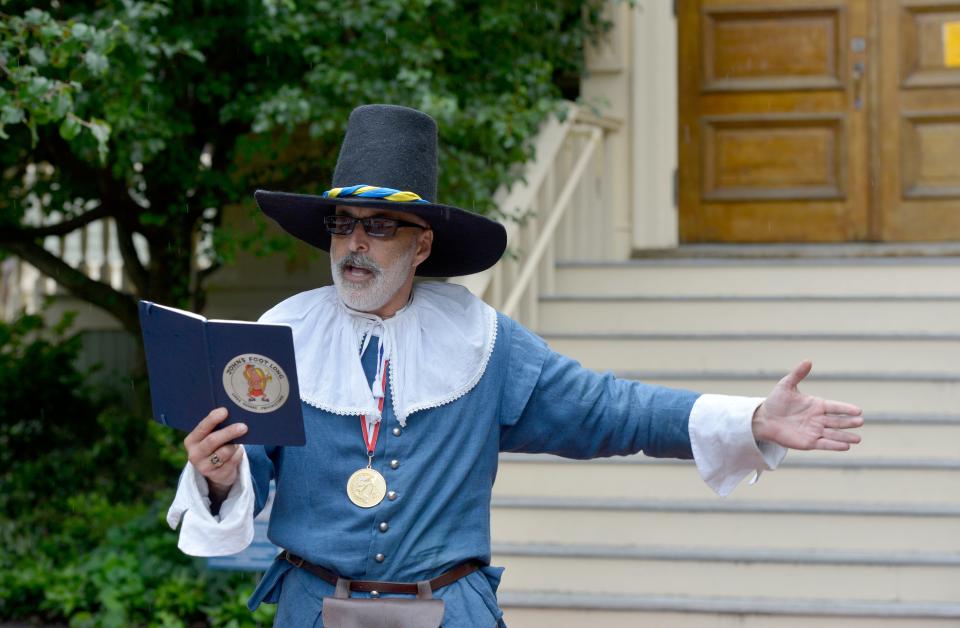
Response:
column 117, row 565
column 84, row 485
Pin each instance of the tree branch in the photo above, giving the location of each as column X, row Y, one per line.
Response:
column 204, row 274
column 200, row 292
column 58, row 229
column 114, row 199
column 132, row 265
column 119, row 304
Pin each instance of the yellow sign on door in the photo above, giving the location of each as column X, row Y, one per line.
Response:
column 951, row 44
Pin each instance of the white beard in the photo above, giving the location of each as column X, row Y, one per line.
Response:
column 374, row 293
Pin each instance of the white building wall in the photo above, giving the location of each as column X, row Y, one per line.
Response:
column 632, row 77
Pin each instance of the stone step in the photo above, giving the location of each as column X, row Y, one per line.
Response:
column 839, row 479
column 719, row 524
column 536, row 609
column 831, row 353
column 864, row 538
column 565, row 314
column 627, row 570
column 763, row 277
column 889, row 395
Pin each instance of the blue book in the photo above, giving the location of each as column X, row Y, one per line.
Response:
column 196, row 365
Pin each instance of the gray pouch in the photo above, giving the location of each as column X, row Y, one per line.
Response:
column 342, row 611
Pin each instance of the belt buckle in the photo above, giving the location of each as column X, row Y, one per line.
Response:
column 287, row 557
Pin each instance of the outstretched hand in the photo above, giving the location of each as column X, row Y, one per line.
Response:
column 798, row 421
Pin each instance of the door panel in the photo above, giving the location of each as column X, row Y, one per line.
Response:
column 919, row 107
column 753, row 51
column 772, row 126
column 919, row 37
column 772, row 157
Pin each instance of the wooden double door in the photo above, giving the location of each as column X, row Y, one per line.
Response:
column 819, row 120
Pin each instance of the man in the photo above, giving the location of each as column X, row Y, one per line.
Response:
column 409, row 394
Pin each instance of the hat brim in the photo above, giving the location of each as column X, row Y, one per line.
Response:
column 463, row 243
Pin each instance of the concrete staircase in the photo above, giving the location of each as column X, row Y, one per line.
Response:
column 869, row 537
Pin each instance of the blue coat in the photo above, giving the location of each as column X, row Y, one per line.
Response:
column 530, row 399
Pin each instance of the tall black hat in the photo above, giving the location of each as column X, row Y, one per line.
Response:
column 389, row 150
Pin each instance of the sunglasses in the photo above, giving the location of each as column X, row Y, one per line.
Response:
column 375, row 226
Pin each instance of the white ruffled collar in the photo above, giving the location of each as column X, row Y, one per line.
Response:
column 438, row 347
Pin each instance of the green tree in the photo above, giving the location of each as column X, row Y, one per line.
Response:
column 159, row 114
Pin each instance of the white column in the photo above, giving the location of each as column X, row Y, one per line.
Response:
column 605, row 90
column 654, row 123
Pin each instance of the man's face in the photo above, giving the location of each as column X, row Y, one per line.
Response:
column 375, row 274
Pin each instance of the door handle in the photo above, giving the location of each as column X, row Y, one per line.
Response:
column 858, row 72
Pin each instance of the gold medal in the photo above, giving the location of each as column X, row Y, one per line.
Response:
column 366, row 487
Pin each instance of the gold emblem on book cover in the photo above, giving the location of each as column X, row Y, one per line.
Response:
column 256, row 383
column 366, row 488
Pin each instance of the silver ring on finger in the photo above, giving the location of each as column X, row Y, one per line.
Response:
column 216, row 461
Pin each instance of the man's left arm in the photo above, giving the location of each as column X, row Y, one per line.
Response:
column 577, row 413
column 561, row 408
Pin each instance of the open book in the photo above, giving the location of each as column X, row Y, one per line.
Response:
column 196, row 365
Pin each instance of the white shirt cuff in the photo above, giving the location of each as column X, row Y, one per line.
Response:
column 204, row 534
column 721, row 435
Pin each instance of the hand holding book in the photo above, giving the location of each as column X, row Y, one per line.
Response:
column 211, row 453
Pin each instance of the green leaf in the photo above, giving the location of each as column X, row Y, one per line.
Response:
column 59, row 56
column 51, row 31
column 101, row 42
column 36, row 17
column 95, row 62
column 80, row 30
column 70, row 128
column 11, row 114
column 37, row 56
column 62, row 104
column 37, row 87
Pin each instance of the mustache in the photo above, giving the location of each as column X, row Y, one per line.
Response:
column 358, row 260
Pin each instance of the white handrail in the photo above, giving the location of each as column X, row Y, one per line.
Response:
column 516, row 200
column 545, row 224
column 532, row 260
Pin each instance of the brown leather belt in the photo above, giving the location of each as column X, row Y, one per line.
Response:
column 373, row 586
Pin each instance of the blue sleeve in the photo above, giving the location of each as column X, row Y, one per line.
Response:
column 262, row 470
column 551, row 404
